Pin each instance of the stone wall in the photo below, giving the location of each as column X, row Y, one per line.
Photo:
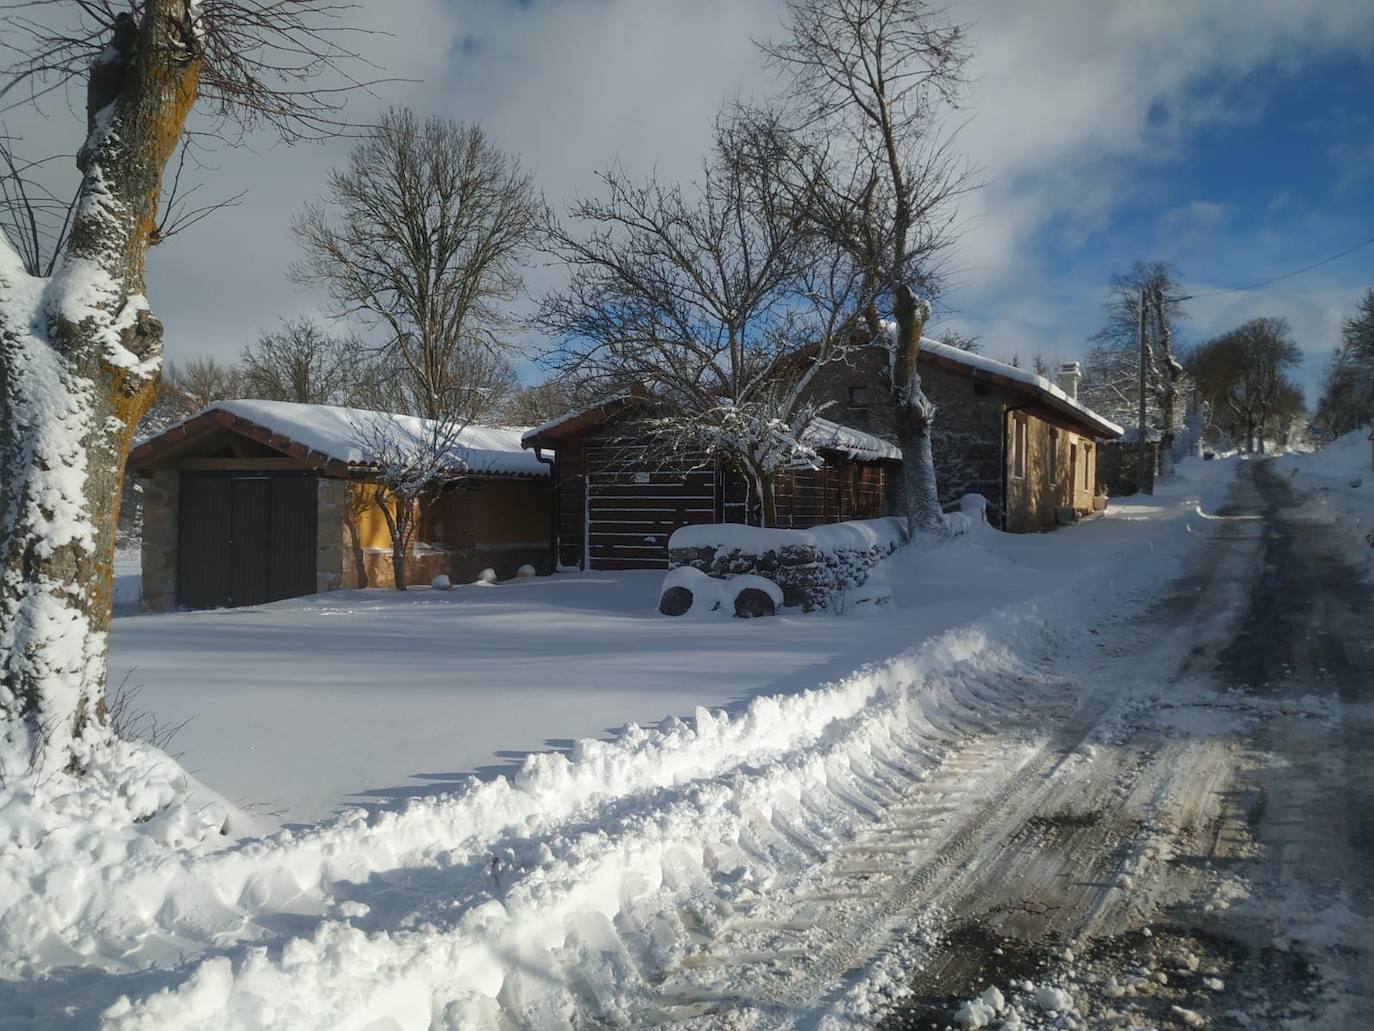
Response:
column 160, row 496
column 331, row 537
column 811, row 577
column 967, row 442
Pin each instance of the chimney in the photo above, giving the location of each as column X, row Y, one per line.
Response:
column 1069, row 375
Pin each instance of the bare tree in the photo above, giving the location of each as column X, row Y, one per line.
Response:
column 869, row 80
column 80, row 350
column 298, row 362
column 962, row 341
column 412, row 459
column 198, row 383
column 540, row 402
column 1111, row 368
column 416, row 456
column 1243, row 375
column 422, row 237
column 704, row 296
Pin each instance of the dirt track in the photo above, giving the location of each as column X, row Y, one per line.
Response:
column 1198, row 852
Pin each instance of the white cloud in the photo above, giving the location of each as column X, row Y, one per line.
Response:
column 1073, row 107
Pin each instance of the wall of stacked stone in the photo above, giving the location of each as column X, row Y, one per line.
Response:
column 811, row 578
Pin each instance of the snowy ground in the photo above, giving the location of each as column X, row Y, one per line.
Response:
column 1340, row 478
column 796, row 860
column 370, row 697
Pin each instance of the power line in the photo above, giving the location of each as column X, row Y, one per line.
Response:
column 1278, row 279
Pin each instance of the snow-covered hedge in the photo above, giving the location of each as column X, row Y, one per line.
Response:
column 814, row 568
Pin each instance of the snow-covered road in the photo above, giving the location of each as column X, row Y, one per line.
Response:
column 1203, row 855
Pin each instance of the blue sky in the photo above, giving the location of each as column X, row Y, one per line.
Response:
column 1232, row 137
column 1286, row 181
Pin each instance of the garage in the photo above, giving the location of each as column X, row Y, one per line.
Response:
column 634, row 504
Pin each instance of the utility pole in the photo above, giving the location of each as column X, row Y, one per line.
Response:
column 1142, row 482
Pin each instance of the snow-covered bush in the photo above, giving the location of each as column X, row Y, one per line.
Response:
column 441, row 583
column 525, row 571
column 814, row 568
column 487, row 576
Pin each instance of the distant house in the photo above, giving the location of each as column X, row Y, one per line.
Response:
column 1027, row 445
column 617, row 501
column 253, row 501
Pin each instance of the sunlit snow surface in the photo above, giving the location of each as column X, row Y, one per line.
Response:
column 370, row 698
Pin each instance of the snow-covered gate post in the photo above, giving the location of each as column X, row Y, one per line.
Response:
column 80, row 359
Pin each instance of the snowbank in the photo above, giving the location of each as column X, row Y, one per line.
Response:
column 557, row 897
column 1342, row 476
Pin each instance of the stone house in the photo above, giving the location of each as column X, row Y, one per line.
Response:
column 253, row 501
column 1026, row 444
column 617, row 500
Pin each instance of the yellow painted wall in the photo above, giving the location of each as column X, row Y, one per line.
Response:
column 371, row 528
column 1032, row 499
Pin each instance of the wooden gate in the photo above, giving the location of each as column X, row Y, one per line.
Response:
column 245, row 538
column 635, row 502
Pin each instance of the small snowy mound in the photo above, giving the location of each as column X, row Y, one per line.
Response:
column 486, row 576
column 688, row 590
column 441, row 583
column 525, row 571
column 1053, row 1000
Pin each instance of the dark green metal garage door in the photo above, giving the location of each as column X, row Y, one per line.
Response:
column 245, row 538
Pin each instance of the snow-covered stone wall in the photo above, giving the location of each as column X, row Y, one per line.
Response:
column 813, row 567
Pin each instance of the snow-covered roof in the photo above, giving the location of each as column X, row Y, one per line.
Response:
column 856, row 444
column 1030, row 379
column 341, row 434
column 819, row 433
column 566, row 417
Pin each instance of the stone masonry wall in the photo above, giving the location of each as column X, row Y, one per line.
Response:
column 161, row 494
column 810, row 577
column 968, row 439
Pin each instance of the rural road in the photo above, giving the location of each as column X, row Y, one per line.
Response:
column 1201, row 852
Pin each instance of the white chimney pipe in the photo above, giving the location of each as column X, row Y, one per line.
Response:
column 1069, row 375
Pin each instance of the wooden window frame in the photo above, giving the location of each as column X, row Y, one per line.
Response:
column 1020, row 431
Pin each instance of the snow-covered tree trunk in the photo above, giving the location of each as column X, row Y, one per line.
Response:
column 80, row 357
column 918, row 497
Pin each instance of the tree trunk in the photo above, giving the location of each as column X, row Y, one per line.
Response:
column 73, row 384
column 768, row 499
column 917, row 494
column 398, row 526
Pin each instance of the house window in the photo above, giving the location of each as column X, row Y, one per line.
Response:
column 859, row 399
column 1087, row 467
column 1018, row 450
column 1054, row 456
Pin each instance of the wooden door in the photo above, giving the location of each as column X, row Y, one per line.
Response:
column 250, row 543
column 203, row 535
column 294, row 546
